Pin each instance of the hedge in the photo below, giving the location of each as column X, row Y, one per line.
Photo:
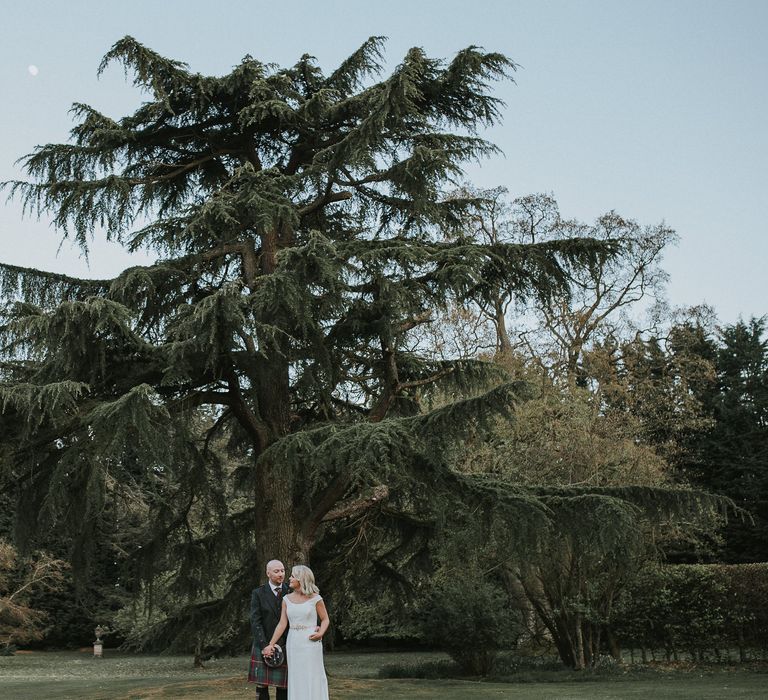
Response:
column 702, row 610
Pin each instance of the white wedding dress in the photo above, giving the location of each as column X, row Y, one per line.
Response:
column 306, row 673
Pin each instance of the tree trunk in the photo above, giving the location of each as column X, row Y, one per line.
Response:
column 277, row 522
column 278, row 531
column 595, row 639
column 579, row 658
column 564, row 649
column 503, row 343
column 613, row 645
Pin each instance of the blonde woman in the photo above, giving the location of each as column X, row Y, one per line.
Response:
column 302, row 608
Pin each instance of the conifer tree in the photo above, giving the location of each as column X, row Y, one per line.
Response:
column 296, row 221
column 730, row 455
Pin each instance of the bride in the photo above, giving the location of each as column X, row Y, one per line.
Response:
column 304, row 650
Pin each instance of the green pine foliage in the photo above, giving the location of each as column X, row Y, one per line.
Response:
column 730, row 454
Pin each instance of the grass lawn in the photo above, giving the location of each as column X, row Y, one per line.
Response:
column 78, row 676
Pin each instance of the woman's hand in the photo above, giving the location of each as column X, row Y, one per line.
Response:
column 315, row 637
column 268, row 650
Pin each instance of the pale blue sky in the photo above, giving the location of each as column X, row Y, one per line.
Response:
column 655, row 109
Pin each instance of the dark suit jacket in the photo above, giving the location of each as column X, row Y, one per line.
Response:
column 265, row 614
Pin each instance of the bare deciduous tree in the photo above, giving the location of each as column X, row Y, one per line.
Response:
column 554, row 329
column 18, row 580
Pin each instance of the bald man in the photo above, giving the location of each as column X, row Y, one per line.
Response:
column 266, row 603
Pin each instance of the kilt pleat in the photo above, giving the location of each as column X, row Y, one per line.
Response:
column 261, row 674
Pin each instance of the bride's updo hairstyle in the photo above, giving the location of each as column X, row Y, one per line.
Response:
column 305, row 577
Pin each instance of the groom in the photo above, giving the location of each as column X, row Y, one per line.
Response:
column 266, row 604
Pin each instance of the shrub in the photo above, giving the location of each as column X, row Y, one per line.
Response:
column 471, row 621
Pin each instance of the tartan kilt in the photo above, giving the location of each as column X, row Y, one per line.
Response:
column 261, row 674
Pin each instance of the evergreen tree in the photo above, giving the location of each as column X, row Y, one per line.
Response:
column 296, row 220
column 731, row 457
